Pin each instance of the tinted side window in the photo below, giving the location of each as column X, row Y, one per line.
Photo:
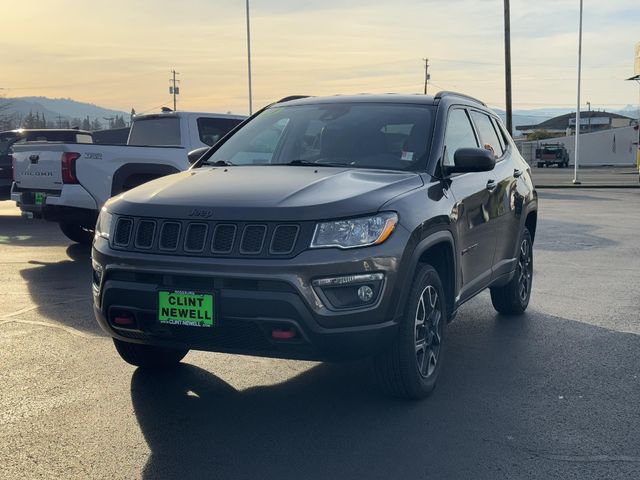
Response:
column 51, row 136
column 488, row 135
column 501, row 138
column 211, row 130
column 5, row 143
column 505, row 135
column 155, row 131
column 459, row 135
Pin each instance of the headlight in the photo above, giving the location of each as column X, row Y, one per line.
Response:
column 355, row 232
column 104, row 224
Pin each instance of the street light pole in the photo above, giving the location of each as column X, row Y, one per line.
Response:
column 507, row 65
column 249, row 58
column 577, row 147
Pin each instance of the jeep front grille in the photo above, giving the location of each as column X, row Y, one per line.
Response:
column 252, row 239
column 211, row 238
column 123, row 232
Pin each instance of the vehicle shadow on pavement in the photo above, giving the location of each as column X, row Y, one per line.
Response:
column 515, row 398
column 21, row 232
column 62, row 290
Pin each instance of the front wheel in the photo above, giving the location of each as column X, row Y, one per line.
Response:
column 513, row 298
column 149, row 356
column 411, row 366
column 77, row 233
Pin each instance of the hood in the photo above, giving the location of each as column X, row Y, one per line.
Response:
column 261, row 193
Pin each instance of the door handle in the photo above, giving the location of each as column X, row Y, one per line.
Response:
column 492, row 185
column 517, row 173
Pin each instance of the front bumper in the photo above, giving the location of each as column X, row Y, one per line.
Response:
column 253, row 298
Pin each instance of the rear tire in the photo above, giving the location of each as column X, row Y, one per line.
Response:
column 540, row 165
column 513, row 298
column 149, row 356
column 77, row 233
column 411, row 366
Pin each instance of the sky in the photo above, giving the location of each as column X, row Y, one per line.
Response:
column 119, row 53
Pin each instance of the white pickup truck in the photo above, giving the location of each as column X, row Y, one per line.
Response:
column 69, row 182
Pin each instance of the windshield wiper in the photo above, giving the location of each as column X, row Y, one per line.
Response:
column 220, row 163
column 306, row 163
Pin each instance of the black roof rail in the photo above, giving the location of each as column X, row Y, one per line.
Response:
column 292, row 97
column 446, row 93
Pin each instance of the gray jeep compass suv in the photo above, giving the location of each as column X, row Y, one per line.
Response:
column 323, row 228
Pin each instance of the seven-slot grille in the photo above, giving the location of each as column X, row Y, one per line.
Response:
column 206, row 237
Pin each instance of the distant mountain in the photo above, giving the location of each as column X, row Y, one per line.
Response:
column 65, row 107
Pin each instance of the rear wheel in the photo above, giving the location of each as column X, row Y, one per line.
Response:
column 411, row 366
column 513, row 298
column 540, row 164
column 149, row 356
column 77, row 233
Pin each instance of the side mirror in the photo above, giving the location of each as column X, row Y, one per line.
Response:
column 472, row 160
column 194, row 155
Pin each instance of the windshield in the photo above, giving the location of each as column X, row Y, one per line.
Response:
column 155, row 131
column 360, row 135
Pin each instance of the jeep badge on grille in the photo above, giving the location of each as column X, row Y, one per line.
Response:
column 201, row 213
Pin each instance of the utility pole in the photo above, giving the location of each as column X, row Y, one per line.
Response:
column 249, row 59
column 427, row 77
column 507, row 66
column 174, row 89
column 59, row 121
column 577, row 147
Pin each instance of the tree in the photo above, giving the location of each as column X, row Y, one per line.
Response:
column 541, row 135
column 95, row 124
column 86, row 124
column 7, row 118
column 29, row 121
column 119, row 122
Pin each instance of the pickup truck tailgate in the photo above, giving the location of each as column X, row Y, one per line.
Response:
column 39, row 167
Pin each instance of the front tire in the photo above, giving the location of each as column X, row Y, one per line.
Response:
column 149, row 356
column 411, row 366
column 77, row 233
column 513, row 298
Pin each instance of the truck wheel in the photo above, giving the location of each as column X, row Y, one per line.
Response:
column 540, row 165
column 410, row 367
column 77, row 233
column 513, row 298
column 149, row 356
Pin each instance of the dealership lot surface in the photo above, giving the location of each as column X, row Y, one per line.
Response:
column 552, row 394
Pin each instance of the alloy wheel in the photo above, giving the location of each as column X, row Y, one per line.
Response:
column 525, row 270
column 428, row 331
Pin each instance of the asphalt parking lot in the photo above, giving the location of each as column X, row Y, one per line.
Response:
column 552, row 394
column 589, row 177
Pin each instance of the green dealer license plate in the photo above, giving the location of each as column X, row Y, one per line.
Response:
column 39, row 198
column 186, row 308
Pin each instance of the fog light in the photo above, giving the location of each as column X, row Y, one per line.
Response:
column 349, row 291
column 365, row 293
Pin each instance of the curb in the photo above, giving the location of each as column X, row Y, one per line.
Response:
column 587, row 186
